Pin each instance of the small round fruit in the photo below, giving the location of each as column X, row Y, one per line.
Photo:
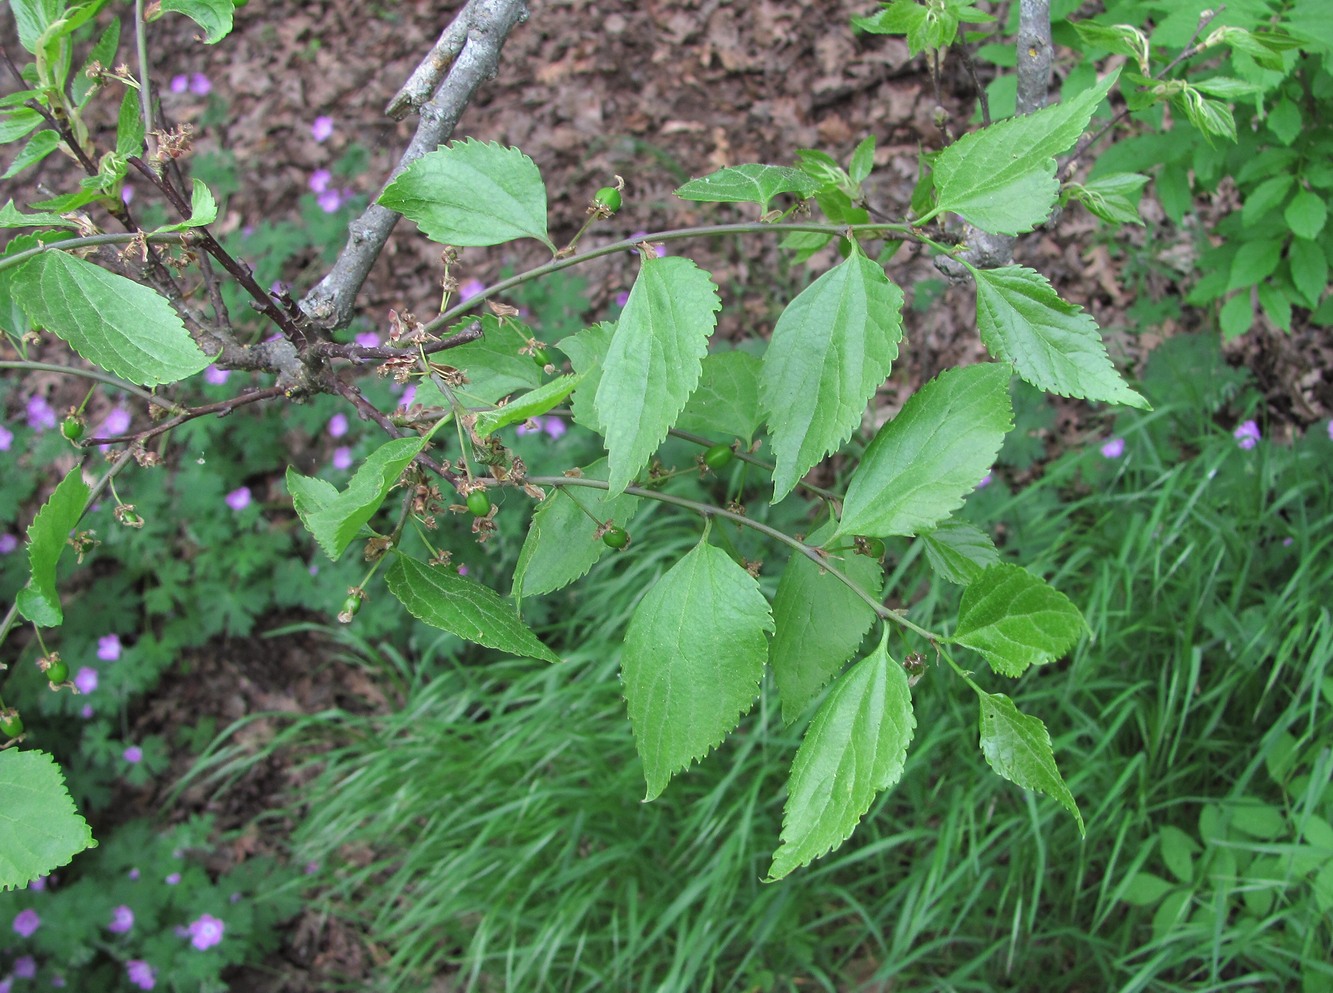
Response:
column 11, row 724
column 608, row 197
column 541, row 356
column 719, row 457
column 57, row 672
column 72, row 427
column 875, row 548
column 352, row 605
column 478, row 503
column 615, row 537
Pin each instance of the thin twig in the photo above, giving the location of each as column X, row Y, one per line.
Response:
column 487, row 23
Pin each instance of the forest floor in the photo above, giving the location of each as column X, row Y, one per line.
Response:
column 656, row 91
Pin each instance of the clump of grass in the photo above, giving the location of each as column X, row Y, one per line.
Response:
column 492, row 827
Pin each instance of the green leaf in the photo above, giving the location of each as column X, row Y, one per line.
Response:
column 1306, row 214
column 1051, row 344
column 496, row 364
column 958, row 551
column 129, row 127
column 469, row 610
column 654, row 361
column 832, row 348
column 12, row 217
column 1265, row 197
column 562, row 543
column 863, row 160
column 923, row 462
column 726, row 402
column 856, row 747
column 1018, row 748
column 531, row 404
column 1309, row 269
column 1002, row 178
column 203, row 210
column 587, row 350
column 17, row 123
column 472, row 193
column 751, row 183
column 693, row 657
column 1211, row 117
column 1117, row 39
column 39, row 601
column 1145, row 889
column 214, row 16
column 32, row 18
column 818, row 621
column 336, row 520
column 1255, row 261
column 127, row 329
column 1113, row 198
column 40, row 827
column 39, row 146
column 1015, row 620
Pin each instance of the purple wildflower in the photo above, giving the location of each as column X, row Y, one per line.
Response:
column 25, row 967
column 1247, row 435
column 122, row 919
column 342, row 457
column 108, row 647
column 319, row 180
column 173, row 879
column 329, row 201
column 215, row 376
column 337, row 425
column 126, row 193
column 133, row 874
column 133, row 755
column 1330, row 430
column 8, row 543
column 6, row 438
column 26, row 922
column 239, row 499
column 409, row 395
column 322, row 128
column 41, row 416
column 117, row 421
column 85, row 680
column 985, row 481
column 200, row 85
column 1114, row 448
column 470, row 289
column 622, row 298
column 179, row 84
column 141, row 974
column 368, row 339
column 38, row 884
column 86, row 711
column 555, row 427
column 206, row 932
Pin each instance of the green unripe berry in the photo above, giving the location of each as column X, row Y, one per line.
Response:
column 875, row 548
column 615, row 537
column 541, row 357
column 478, row 503
column 11, row 724
column 608, row 197
column 719, row 457
column 57, row 672
column 72, row 427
